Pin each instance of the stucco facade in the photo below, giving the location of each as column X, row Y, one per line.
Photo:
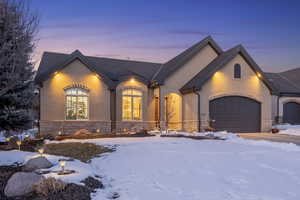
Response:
column 52, row 100
column 249, row 85
column 175, row 95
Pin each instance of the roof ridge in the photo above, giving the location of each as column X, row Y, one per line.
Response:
column 123, row 60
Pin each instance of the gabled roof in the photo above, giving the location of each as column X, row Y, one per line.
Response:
column 283, row 85
column 111, row 70
column 287, row 83
column 174, row 64
column 196, row 83
column 293, row 75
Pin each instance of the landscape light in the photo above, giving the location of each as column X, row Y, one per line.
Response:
column 19, row 144
column 62, row 164
column 41, row 151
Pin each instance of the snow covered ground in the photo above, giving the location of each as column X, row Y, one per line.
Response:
column 185, row 169
column 289, row 129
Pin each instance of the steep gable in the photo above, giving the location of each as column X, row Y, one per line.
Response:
column 177, row 62
column 196, row 83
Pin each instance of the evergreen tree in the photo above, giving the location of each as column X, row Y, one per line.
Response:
column 17, row 32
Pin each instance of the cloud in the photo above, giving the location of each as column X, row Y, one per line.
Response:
column 195, row 32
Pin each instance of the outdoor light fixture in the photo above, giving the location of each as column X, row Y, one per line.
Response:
column 258, row 75
column 59, row 132
column 19, row 144
column 7, row 139
column 62, row 164
column 98, row 130
column 132, row 80
column 41, row 151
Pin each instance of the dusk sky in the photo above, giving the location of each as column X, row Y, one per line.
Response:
column 157, row 30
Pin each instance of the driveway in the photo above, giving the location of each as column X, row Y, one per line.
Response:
column 272, row 137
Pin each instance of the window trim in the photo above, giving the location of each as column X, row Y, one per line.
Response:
column 88, row 103
column 142, row 98
column 237, row 71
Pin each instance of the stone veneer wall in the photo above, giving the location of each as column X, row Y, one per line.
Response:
column 135, row 125
column 69, row 127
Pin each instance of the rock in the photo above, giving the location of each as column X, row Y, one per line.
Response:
column 21, row 183
column 37, row 163
column 82, row 132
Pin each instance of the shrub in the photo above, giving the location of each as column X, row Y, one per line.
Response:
column 48, row 186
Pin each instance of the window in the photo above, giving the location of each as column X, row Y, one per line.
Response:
column 131, row 104
column 76, row 104
column 237, row 71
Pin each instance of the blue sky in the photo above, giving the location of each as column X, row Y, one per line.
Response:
column 158, row 30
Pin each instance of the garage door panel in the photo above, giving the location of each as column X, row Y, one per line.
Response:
column 235, row 114
column 291, row 113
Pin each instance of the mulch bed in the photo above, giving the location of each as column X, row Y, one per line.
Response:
column 80, row 151
column 97, row 135
column 72, row 191
column 194, row 137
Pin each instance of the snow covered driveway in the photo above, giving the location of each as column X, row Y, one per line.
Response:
column 185, row 169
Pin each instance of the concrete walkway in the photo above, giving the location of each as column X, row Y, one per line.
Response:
column 272, row 137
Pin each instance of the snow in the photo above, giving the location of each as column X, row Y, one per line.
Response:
column 185, row 169
column 221, row 134
column 289, row 129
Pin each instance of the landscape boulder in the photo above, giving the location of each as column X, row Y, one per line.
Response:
column 82, row 132
column 21, row 183
column 37, row 163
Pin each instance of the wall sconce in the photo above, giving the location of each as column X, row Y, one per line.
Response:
column 59, row 133
column 98, row 130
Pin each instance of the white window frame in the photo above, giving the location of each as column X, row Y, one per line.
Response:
column 76, row 95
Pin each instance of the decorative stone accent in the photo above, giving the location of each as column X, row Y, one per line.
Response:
column 21, row 183
column 37, row 163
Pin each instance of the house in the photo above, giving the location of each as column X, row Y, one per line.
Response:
column 201, row 87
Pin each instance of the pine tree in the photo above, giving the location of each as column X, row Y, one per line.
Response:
column 18, row 28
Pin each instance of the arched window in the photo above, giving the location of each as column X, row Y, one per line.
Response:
column 132, row 104
column 237, row 71
column 76, row 104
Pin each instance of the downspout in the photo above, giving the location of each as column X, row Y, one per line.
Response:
column 198, row 110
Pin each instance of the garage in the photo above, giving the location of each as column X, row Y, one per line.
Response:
column 291, row 113
column 235, row 114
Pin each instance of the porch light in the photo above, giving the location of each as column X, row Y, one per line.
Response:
column 62, row 164
column 258, row 75
column 132, row 80
column 19, row 144
column 41, row 151
column 216, row 74
column 98, row 130
column 59, row 132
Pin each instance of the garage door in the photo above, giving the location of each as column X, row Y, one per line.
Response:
column 235, row 114
column 291, row 113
